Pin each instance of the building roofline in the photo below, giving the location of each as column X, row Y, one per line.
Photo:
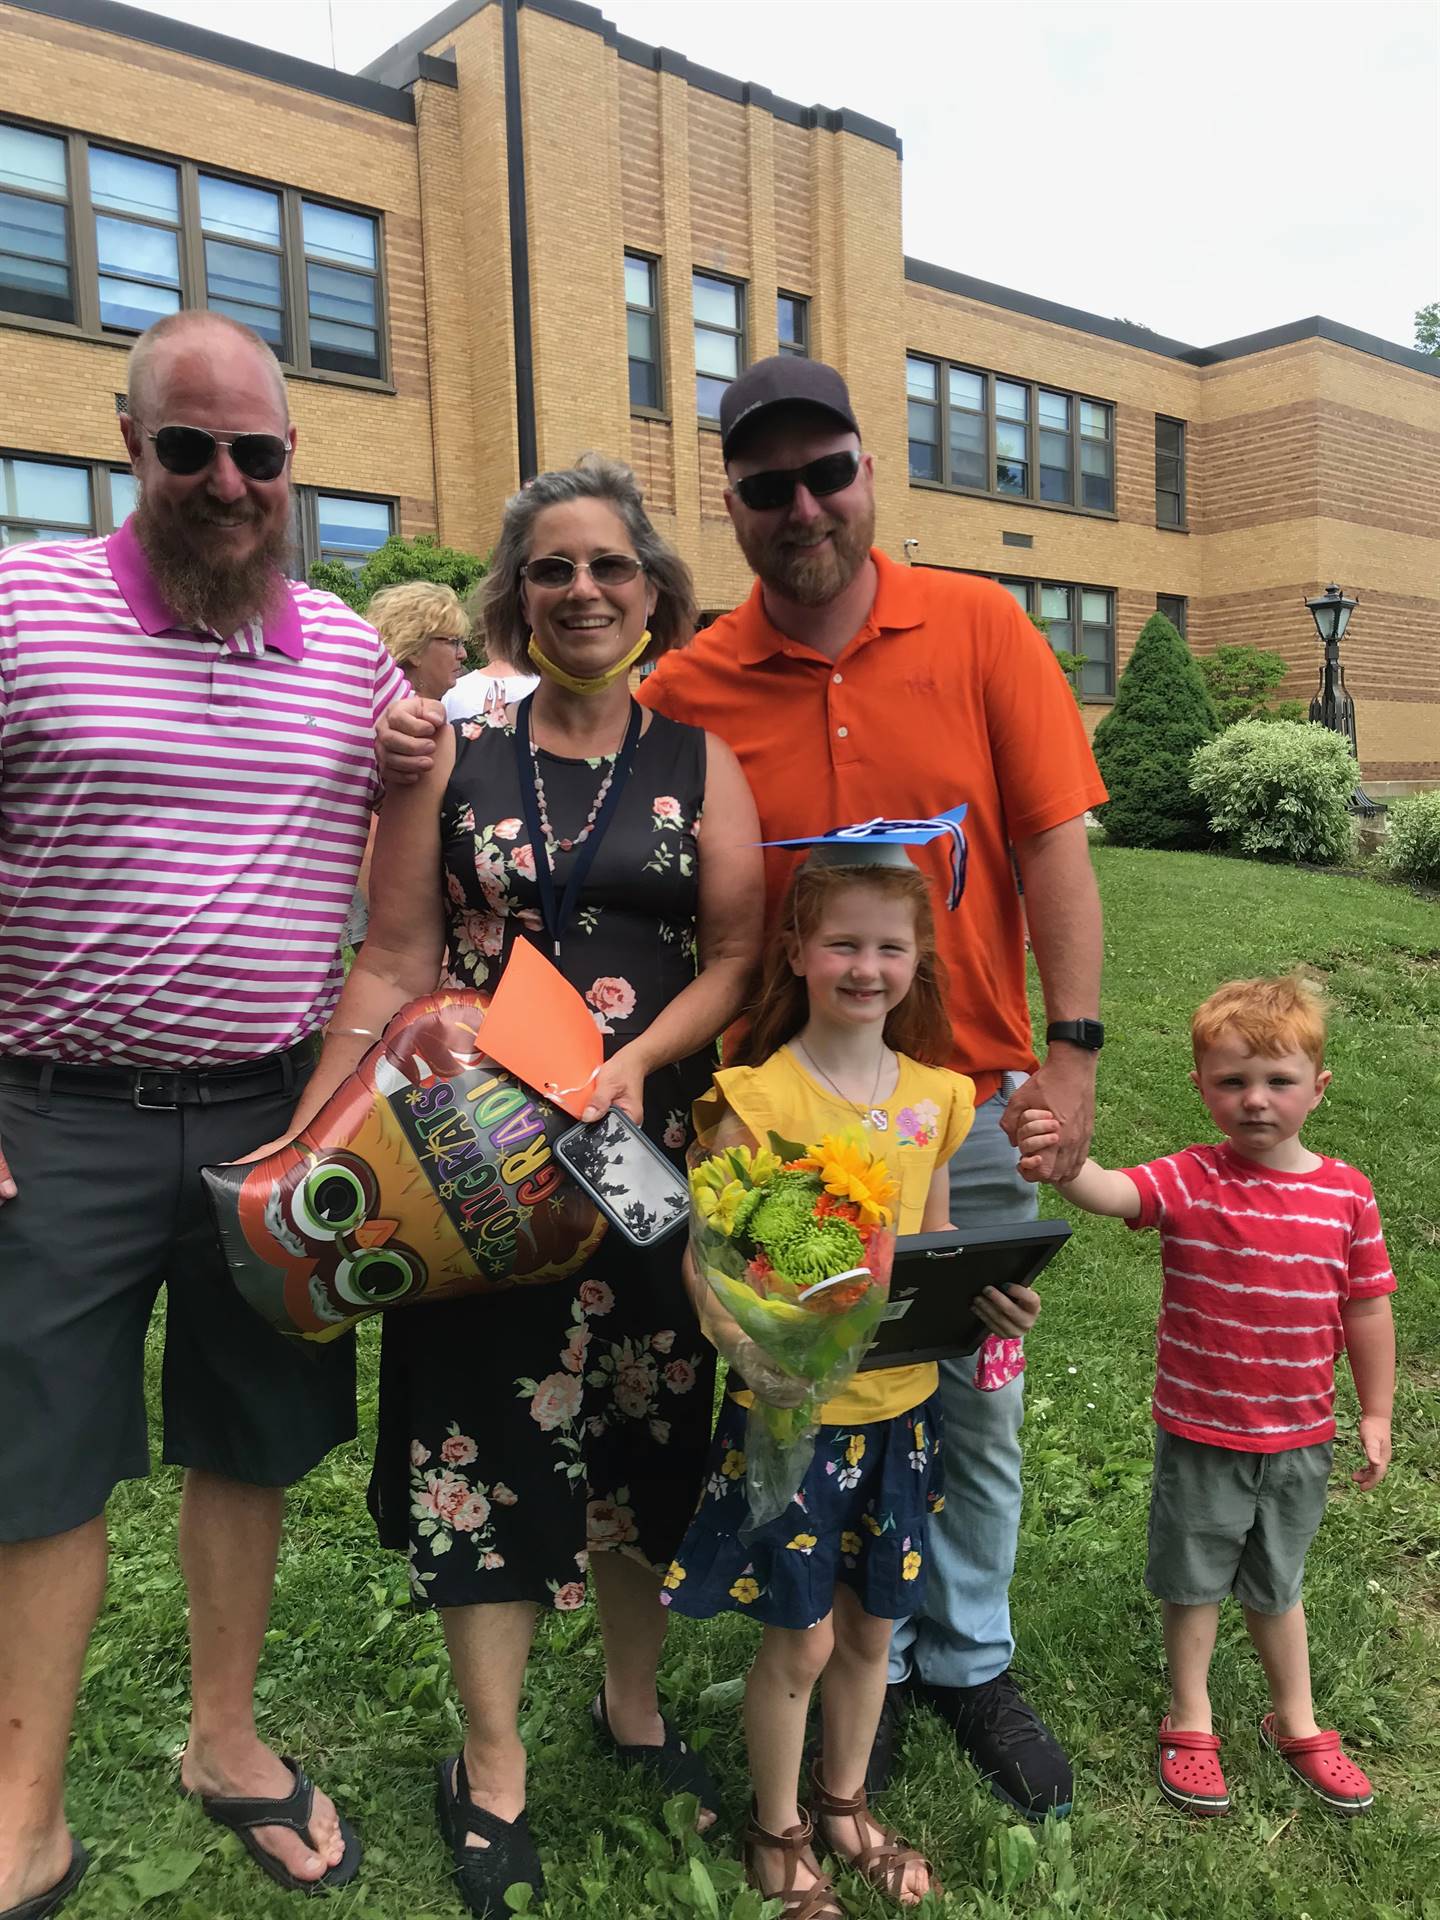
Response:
column 1126, row 333
column 396, row 67
column 221, row 50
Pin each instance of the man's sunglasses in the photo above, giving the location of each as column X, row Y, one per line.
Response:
column 831, row 473
column 259, row 456
column 606, row 569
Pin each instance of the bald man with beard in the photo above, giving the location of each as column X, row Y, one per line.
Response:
column 186, row 780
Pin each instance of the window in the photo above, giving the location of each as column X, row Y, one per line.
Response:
column 1169, row 472
column 341, row 288
column 1172, row 605
column 792, row 317
column 719, row 311
column 109, row 241
column 642, row 332
column 1078, row 620
column 1014, row 439
column 244, row 257
column 34, row 225
column 47, row 499
column 338, row 526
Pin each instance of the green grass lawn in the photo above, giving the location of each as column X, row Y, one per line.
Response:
column 356, row 1683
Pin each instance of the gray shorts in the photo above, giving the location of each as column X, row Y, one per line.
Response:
column 1225, row 1522
column 110, row 1208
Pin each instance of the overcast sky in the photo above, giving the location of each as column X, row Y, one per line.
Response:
column 1205, row 167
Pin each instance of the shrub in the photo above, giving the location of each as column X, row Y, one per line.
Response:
column 1411, row 848
column 1162, row 712
column 422, row 558
column 1241, row 681
column 1279, row 789
column 1070, row 663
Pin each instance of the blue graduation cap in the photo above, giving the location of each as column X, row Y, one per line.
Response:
column 881, row 842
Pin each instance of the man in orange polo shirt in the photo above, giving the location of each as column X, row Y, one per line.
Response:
column 849, row 687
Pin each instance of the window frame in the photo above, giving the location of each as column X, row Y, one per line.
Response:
column 82, row 253
column 739, row 333
column 799, row 348
column 1034, row 585
column 651, row 262
column 1181, row 601
column 102, row 519
column 990, row 418
column 307, row 521
column 66, row 204
column 1181, row 524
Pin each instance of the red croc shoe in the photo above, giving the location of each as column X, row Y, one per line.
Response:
column 1189, row 1770
column 1322, row 1764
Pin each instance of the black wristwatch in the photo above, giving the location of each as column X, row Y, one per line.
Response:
column 1088, row 1034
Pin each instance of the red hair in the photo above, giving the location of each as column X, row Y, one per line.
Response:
column 1269, row 1017
column 919, row 1026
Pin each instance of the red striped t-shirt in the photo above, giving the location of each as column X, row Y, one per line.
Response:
column 1257, row 1267
column 181, row 816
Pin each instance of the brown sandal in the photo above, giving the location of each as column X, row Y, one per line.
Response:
column 883, row 1862
column 799, row 1903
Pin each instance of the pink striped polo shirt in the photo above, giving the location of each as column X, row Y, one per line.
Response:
column 181, row 816
column 1258, row 1267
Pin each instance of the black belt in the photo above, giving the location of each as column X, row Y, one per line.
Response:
column 161, row 1089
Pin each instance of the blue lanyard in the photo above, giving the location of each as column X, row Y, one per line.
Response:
column 557, row 921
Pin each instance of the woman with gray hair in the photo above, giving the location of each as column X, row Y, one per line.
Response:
column 526, row 1434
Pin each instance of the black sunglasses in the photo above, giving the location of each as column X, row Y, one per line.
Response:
column 831, row 473
column 259, row 456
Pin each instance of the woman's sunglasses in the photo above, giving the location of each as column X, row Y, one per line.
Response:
column 606, row 570
column 831, row 473
column 259, row 456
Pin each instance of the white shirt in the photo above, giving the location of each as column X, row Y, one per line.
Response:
column 474, row 692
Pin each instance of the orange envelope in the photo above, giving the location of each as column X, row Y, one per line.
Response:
column 538, row 1028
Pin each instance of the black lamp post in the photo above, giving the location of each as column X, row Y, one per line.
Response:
column 1332, row 706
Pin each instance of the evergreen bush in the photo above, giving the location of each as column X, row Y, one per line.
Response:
column 1242, row 680
column 1411, row 848
column 1279, row 790
column 1163, row 711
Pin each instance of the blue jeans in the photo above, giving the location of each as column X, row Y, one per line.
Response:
column 963, row 1637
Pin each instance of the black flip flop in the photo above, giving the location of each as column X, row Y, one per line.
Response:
column 675, row 1763
column 483, row 1873
column 54, row 1897
column 292, row 1810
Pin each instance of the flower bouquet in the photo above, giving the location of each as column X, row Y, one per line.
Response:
column 795, row 1244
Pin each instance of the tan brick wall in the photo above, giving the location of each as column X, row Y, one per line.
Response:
column 641, row 190
column 58, row 392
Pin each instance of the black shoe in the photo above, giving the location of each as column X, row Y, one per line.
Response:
column 482, row 1874
column 1016, row 1753
column 881, row 1770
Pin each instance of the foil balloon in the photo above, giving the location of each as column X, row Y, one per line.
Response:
column 429, row 1173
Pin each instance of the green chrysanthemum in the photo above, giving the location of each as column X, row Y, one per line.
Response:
column 785, row 1205
column 812, row 1249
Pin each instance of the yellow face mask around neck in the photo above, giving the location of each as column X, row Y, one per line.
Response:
column 574, row 683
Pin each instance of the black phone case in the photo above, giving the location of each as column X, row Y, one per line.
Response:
column 581, row 1151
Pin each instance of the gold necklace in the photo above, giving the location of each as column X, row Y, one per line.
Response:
column 873, row 1116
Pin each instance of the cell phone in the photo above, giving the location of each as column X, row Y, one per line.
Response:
column 627, row 1176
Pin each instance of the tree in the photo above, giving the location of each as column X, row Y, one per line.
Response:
column 1070, row 663
column 1427, row 329
column 1241, row 681
column 422, row 558
column 1162, row 712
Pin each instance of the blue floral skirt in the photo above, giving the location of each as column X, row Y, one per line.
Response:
column 860, row 1517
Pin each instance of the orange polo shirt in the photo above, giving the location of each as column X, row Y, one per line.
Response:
column 947, row 693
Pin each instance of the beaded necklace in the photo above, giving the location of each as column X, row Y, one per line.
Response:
column 553, row 843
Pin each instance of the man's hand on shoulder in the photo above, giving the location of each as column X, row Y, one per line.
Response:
column 405, row 739
column 1063, row 1085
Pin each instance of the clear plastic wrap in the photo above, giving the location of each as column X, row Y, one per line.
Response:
column 795, row 1244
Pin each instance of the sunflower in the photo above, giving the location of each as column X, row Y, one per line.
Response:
column 850, row 1172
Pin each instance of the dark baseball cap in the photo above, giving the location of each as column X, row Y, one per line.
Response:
column 785, row 379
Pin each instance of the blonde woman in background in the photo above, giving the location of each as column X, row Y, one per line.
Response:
column 427, row 631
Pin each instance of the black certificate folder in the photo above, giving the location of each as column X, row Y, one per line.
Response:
column 936, row 1278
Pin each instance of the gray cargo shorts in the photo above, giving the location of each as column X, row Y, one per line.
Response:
column 1225, row 1522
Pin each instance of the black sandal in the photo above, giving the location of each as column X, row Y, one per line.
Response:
column 483, row 1873
column 53, row 1898
column 675, row 1763
column 292, row 1810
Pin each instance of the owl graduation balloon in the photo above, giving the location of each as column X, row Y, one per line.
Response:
column 429, row 1173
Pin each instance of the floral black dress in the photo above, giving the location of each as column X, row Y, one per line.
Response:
column 519, row 1432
